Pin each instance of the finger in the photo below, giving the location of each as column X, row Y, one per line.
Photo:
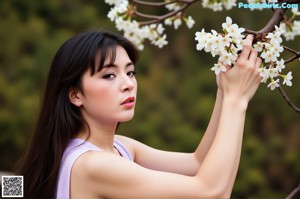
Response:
column 247, row 47
column 249, row 40
column 257, row 66
column 228, row 67
column 258, row 62
column 253, row 56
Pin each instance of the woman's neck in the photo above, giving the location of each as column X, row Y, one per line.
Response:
column 100, row 135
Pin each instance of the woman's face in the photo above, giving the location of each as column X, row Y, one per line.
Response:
column 109, row 96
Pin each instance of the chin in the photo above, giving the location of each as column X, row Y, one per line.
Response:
column 126, row 118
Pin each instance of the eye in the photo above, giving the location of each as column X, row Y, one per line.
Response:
column 109, row 76
column 131, row 73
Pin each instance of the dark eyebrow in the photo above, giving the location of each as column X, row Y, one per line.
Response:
column 113, row 65
column 129, row 64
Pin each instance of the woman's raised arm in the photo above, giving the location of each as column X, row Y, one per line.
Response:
column 114, row 177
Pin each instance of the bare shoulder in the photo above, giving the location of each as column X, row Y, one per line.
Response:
column 91, row 171
column 90, row 158
column 90, row 162
column 129, row 143
column 125, row 139
column 98, row 173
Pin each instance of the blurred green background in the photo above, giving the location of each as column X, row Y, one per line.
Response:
column 176, row 89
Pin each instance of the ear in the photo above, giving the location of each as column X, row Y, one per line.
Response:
column 75, row 96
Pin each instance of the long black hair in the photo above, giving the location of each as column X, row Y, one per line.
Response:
column 59, row 119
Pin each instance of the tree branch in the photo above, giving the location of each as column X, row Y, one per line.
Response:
column 146, row 16
column 292, row 1
column 291, row 50
column 160, row 4
column 292, row 58
column 277, row 17
column 294, row 192
column 158, row 19
column 296, row 54
column 288, row 100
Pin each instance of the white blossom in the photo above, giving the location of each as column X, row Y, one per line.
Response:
column 122, row 7
column 273, row 72
column 115, row 2
column 226, row 40
column 217, row 68
column 273, row 84
column 264, row 73
column 227, row 24
column 296, row 28
column 271, row 1
column 275, row 37
column 161, row 41
column 268, row 56
column 190, row 22
column 219, row 4
column 160, row 29
column 229, row 4
column 289, row 35
column 280, row 65
column 201, row 38
column 287, row 79
column 258, row 46
column 226, row 58
column 112, row 14
column 169, row 21
column 291, row 32
column 177, row 22
column 279, row 29
column 227, row 45
column 173, row 6
column 295, row 11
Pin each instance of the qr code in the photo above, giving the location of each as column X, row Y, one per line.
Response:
column 12, row 186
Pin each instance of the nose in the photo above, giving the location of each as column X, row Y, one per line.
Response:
column 128, row 83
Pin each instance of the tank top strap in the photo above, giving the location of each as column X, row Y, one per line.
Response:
column 123, row 150
column 75, row 148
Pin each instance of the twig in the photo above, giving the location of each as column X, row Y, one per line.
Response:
column 156, row 18
column 292, row 1
column 275, row 20
column 291, row 50
column 146, row 15
column 294, row 192
column 277, row 17
column 163, row 17
column 288, row 100
column 292, row 58
column 160, row 4
column 296, row 54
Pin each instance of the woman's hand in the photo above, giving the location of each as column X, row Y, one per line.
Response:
column 242, row 80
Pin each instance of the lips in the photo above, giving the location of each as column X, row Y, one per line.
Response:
column 128, row 100
column 128, row 103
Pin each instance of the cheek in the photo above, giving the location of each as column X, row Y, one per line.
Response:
column 100, row 102
column 100, row 94
column 97, row 93
column 135, row 85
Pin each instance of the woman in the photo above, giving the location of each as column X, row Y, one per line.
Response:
column 91, row 87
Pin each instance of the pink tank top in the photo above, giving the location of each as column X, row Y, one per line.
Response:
column 75, row 148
